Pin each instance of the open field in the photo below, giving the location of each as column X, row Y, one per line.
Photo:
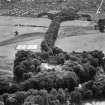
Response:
column 73, row 69
column 78, row 35
column 73, row 36
column 9, row 41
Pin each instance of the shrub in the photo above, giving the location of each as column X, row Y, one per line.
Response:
column 50, row 80
column 76, row 97
column 61, row 96
column 99, row 86
column 25, row 66
column 57, row 50
column 87, row 94
column 27, row 75
column 54, row 92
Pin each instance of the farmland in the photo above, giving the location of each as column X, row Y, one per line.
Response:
column 73, row 35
